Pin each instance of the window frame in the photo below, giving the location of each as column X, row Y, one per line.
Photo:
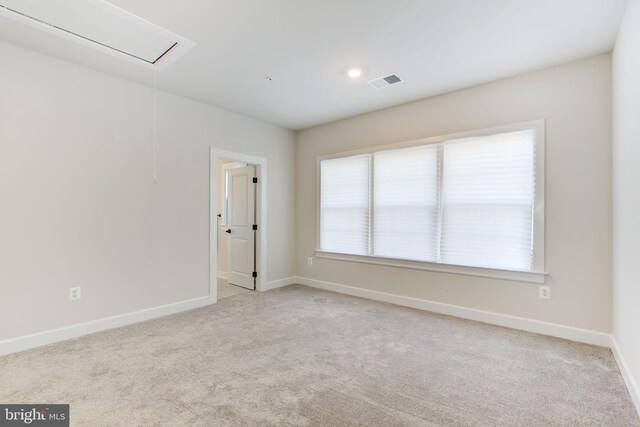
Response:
column 538, row 271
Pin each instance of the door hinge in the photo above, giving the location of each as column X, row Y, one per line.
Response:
column 255, row 226
column 255, row 180
column 255, row 274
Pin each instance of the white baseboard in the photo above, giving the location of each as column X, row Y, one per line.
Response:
column 629, row 380
column 26, row 342
column 223, row 275
column 521, row 323
column 278, row 283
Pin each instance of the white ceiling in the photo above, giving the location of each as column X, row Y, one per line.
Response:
column 307, row 46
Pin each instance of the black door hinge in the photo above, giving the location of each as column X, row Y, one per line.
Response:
column 255, row 274
column 255, row 180
column 255, row 226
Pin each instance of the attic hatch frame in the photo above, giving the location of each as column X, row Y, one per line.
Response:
column 167, row 57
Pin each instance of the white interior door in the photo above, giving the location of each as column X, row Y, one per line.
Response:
column 240, row 220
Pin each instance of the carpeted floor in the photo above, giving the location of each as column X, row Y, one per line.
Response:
column 302, row 357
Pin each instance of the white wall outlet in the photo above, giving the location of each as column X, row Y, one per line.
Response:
column 74, row 293
column 310, row 260
column 544, row 292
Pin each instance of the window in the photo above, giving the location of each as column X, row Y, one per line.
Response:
column 473, row 200
column 405, row 203
column 344, row 215
column 488, row 195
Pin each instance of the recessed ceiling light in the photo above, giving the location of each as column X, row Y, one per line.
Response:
column 354, row 73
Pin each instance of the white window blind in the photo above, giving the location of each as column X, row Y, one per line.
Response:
column 344, row 205
column 488, row 194
column 465, row 201
column 405, row 211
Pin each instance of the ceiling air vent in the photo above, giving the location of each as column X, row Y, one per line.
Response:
column 385, row 81
column 102, row 26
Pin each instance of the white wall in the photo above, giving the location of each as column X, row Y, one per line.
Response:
column 79, row 206
column 626, row 191
column 575, row 101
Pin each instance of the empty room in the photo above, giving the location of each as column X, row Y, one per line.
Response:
column 320, row 213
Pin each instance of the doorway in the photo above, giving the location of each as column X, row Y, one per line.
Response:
column 238, row 212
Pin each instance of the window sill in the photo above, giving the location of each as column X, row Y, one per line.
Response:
column 518, row 276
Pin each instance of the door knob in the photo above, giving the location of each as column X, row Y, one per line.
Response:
column 228, row 230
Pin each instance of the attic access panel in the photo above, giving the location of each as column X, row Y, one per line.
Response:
column 103, row 26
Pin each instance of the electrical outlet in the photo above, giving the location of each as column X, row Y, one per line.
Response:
column 74, row 293
column 544, row 292
column 310, row 260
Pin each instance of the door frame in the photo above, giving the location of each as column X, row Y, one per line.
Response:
column 261, row 206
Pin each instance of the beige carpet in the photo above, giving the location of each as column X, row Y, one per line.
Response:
column 302, row 357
